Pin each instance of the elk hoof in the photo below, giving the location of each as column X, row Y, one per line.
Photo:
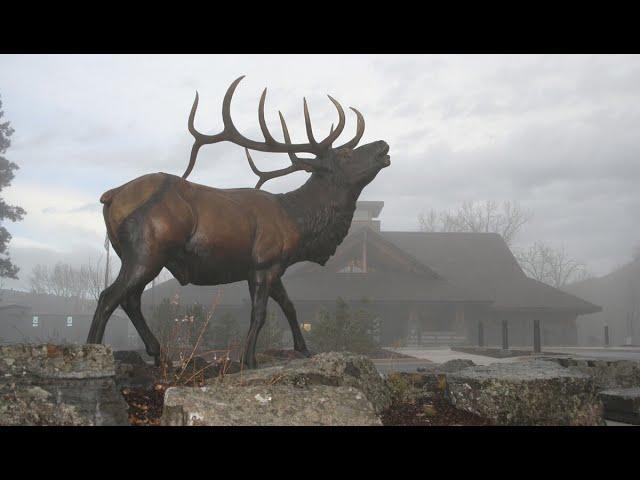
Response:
column 305, row 353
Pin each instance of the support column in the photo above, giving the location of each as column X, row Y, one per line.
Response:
column 536, row 337
column 481, row 333
column 505, row 335
column 606, row 335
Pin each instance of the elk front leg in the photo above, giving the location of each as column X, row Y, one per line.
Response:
column 279, row 294
column 260, row 296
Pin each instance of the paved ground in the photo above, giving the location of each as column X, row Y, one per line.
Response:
column 614, row 353
column 444, row 354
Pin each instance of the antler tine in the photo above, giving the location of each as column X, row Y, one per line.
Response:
column 307, row 124
column 339, row 128
column 200, row 139
column 306, row 163
column 359, row 131
column 263, row 124
column 334, row 133
column 264, row 176
column 231, row 133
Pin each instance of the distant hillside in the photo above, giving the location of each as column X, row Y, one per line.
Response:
column 619, row 295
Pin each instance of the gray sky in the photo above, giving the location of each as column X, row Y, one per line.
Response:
column 557, row 133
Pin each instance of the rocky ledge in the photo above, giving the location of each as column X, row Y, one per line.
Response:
column 328, row 389
column 59, row 385
column 532, row 392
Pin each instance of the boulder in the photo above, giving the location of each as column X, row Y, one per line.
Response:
column 429, row 382
column 59, row 385
column 131, row 371
column 622, row 404
column 233, row 404
column 29, row 405
column 533, row 392
column 332, row 369
column 328, row 389
column 605, row 373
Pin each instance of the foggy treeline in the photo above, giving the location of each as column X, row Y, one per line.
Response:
column 553, row 266
column 81, row 284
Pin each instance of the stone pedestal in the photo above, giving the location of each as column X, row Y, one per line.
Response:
column 327, row 389
column 526, row 393
column 622, row 404
column 59, row 385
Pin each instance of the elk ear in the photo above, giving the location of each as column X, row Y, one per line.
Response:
column 344, row 154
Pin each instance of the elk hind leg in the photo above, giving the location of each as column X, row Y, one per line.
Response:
column 131, row 306
column 130, row 278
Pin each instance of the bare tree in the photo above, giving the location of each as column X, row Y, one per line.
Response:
column 80, row 285
column 488, row 216
column 551, row 266
column 93, row 274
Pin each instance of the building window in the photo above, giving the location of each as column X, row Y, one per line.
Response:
column 69, row 321
column 35, row 321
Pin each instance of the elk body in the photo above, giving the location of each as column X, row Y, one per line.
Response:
column 211, row 236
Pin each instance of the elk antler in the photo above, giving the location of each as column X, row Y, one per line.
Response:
column 231, row 133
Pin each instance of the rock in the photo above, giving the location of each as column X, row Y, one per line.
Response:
column 134, row 376
column 288, row 405
column 24, row 405
column 131, row 371
column 129, row 357
column 198, row 368
column 328, row 389
column 59, row 385
column 429, row 382
column 533, row 392
column 606, row 373
column 622, row 404
column 331, row 369
column 56, row 361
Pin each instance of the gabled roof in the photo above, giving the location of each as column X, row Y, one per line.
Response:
column 483, row 263
column 378, row 247
column 419, row 266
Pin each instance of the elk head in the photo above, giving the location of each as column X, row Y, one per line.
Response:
column 345, row 165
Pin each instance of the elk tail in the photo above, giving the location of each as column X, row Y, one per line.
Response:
column 107, row 196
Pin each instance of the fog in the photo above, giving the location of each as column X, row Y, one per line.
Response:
column 555, row 134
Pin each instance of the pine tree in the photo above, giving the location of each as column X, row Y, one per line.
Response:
column 11, row 212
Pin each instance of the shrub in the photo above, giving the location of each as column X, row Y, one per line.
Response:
column 344, row 330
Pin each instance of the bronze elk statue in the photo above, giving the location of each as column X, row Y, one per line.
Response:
column 212, row 236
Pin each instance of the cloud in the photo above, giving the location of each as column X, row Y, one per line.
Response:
column 556, row 132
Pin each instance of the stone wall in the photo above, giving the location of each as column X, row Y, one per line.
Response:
column 59, row 385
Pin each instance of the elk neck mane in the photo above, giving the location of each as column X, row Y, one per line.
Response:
column 322, row 209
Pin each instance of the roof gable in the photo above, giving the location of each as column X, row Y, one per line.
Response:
column 372, row 252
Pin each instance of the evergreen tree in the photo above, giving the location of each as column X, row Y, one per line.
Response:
column 345, row 330
column 11, row 212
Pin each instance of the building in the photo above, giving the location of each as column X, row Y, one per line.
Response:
column 424, row 288
column 619, row 294
column 37, row 318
